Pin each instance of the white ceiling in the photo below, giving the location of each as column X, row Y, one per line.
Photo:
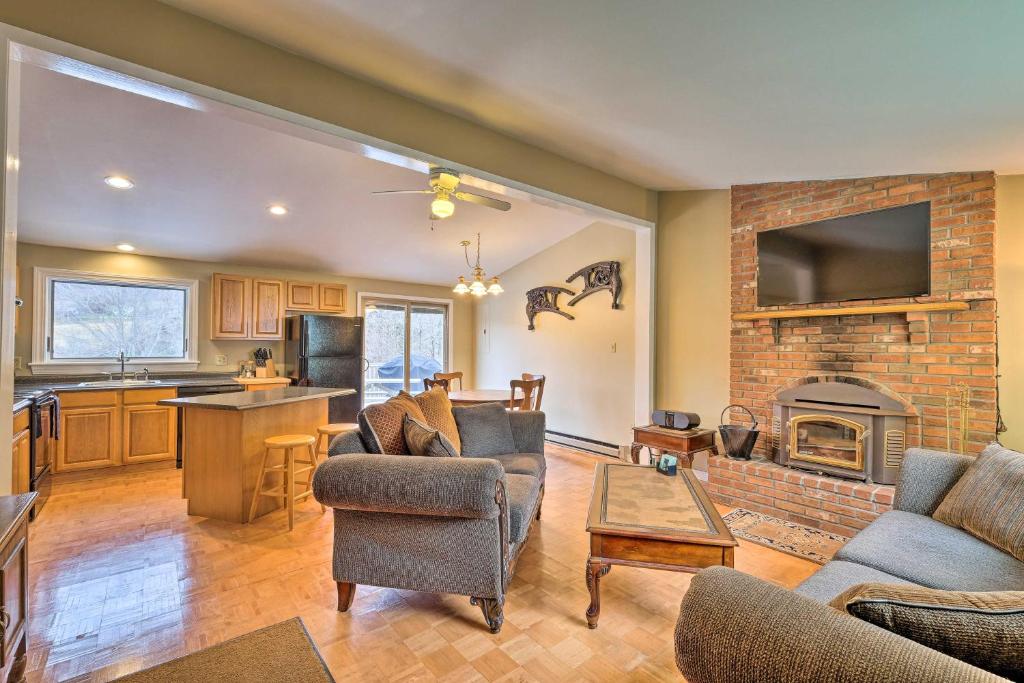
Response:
column 691, row 93
column 204, row 181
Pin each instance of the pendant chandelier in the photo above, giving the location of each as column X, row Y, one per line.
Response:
column 477, row 286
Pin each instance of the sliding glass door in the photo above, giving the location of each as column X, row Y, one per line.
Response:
column 405, row 341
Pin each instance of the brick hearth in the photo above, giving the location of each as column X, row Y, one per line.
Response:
column 836, row 505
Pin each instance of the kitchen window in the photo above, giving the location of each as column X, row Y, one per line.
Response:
column 84, row 321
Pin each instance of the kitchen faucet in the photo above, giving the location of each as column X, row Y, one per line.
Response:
column 124, row 359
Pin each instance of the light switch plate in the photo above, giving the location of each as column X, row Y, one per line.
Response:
column 221, row 360
column 17, row 363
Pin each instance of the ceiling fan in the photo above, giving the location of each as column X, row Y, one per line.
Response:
column 444, row 184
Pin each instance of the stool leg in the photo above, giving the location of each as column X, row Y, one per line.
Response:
column 290, row 473
column 319, row 442
column 259, row 484
column 316, row 463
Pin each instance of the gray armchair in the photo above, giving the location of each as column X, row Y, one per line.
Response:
column 442, row 525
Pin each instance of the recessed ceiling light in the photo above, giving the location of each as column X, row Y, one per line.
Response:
column 277, row 209
column 119, row 182
column 124, row 246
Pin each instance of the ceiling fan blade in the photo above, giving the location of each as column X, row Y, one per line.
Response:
column 403, row 192
column 483, row 201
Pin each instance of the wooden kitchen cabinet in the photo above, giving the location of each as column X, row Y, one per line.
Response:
column 112, row 428
column 20, row 465
column 267, row 309
column 332, row 297
column 302, row 296
column 231, row 307
column 14, row 512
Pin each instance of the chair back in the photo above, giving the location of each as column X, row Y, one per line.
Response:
column 429, row 384
column 531, row 394
column 540, row 391
column 451, row 377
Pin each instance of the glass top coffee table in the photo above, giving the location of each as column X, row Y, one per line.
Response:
column 641, row 518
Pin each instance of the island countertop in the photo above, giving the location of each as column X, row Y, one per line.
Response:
column 249, row 400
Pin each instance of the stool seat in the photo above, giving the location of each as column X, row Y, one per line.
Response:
column 336, row 428
column 289, row 441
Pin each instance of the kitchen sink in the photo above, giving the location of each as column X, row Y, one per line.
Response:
column 120, row 383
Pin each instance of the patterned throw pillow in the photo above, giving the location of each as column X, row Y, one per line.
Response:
column 423, row 440
column 381, row 424
column 983, row 629
column 987, row 501
column 438, row 411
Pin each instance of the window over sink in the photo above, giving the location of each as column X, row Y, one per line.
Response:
column 83, row 321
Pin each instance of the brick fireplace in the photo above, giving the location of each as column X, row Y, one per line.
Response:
column 916, row 357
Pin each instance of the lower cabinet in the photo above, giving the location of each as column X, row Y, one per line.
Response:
column 112, row 428
column 20, row 474
column 14, row 586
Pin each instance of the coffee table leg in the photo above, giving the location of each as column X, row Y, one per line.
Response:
column 595, row 570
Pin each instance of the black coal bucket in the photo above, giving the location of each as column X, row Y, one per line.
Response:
column 738, row 440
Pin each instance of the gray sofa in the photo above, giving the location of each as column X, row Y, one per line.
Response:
column 734, row 627
column 441, row 525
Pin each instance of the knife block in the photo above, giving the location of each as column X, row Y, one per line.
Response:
column 269, row 370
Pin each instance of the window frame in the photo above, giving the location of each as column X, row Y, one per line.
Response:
column 43, row 362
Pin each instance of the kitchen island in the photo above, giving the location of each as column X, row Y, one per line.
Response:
column 222, row 443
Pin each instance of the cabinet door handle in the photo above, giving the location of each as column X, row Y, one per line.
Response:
column 5, row 620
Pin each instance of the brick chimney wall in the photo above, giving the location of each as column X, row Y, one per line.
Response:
column 920, row 356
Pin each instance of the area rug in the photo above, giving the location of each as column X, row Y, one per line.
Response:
column 795, row 539
column 282, row 652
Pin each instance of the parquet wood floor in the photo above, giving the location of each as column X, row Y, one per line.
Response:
column 122, row 578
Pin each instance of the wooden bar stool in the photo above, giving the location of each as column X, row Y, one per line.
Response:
column 324, row 434
column 288, row 443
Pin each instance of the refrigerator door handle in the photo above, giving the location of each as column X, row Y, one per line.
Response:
column 366, row 365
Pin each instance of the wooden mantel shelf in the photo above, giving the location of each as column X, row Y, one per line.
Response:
column 854, row 310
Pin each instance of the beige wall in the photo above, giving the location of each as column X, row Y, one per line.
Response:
column 589, row 389
column 1009, row 289
column 34, row 255
column 154, row 35
column 692, row 319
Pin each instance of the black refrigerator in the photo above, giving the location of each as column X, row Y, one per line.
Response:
column 327, row 351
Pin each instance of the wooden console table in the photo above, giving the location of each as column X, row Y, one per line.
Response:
column 683, row 442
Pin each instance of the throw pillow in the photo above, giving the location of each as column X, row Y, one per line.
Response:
column 423, row 440
column 986, row 502
column 485, row 430
column 983, row 629
column 381, row 424
column 438, row 410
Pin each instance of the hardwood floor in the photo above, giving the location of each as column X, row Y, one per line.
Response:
column 122, row 578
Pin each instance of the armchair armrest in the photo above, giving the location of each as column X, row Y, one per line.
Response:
column 408, row 484
column 349, row 441
column 736, row 628
column 926, row 477
column 527, row 430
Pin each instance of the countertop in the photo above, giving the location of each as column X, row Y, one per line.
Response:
column 247, row 400
column 21, row 404
column 13, row 509
column 246, row 381
column 72, row 383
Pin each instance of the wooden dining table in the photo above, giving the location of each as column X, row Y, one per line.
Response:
column 472, row 397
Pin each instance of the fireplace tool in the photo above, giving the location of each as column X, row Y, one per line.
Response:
column 738, row 440
column 958, row 396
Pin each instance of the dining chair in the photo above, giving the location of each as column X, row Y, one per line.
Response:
column 531, row 394
column 450, row 376
column 540, row 391
column 429, row 384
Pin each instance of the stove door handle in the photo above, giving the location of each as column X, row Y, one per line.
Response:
column 865, row 435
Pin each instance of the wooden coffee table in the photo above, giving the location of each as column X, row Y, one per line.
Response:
column 640, row 518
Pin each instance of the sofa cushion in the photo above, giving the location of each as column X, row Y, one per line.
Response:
column 521, row 491
column 438, row 410
column 426, row 441
column 927, row 552
column 485, row 430
column 988, row 501
column 837, row 576
column 521, row 463
column 983, row 629
column 381, row 424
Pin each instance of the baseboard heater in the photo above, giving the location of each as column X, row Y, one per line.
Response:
column 583, row 443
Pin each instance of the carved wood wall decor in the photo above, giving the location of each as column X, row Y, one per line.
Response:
column 545, row 300
column 598, row 277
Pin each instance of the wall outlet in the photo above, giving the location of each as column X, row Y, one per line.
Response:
column 220, row 360
column 17, row 363
column 615, row 347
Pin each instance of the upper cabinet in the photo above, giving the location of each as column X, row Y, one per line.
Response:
column 247, row 308
column 267, row 309
column 317, row 297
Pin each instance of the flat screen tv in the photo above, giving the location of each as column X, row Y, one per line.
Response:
column 876, row 255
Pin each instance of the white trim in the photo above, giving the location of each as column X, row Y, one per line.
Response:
column 450, row 303
column 43, row 364
column 10, row 83
column 644, row 328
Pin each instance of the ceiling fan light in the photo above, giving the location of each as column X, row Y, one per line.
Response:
column 461, row 287
column 442, row 207
column 495, row 286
